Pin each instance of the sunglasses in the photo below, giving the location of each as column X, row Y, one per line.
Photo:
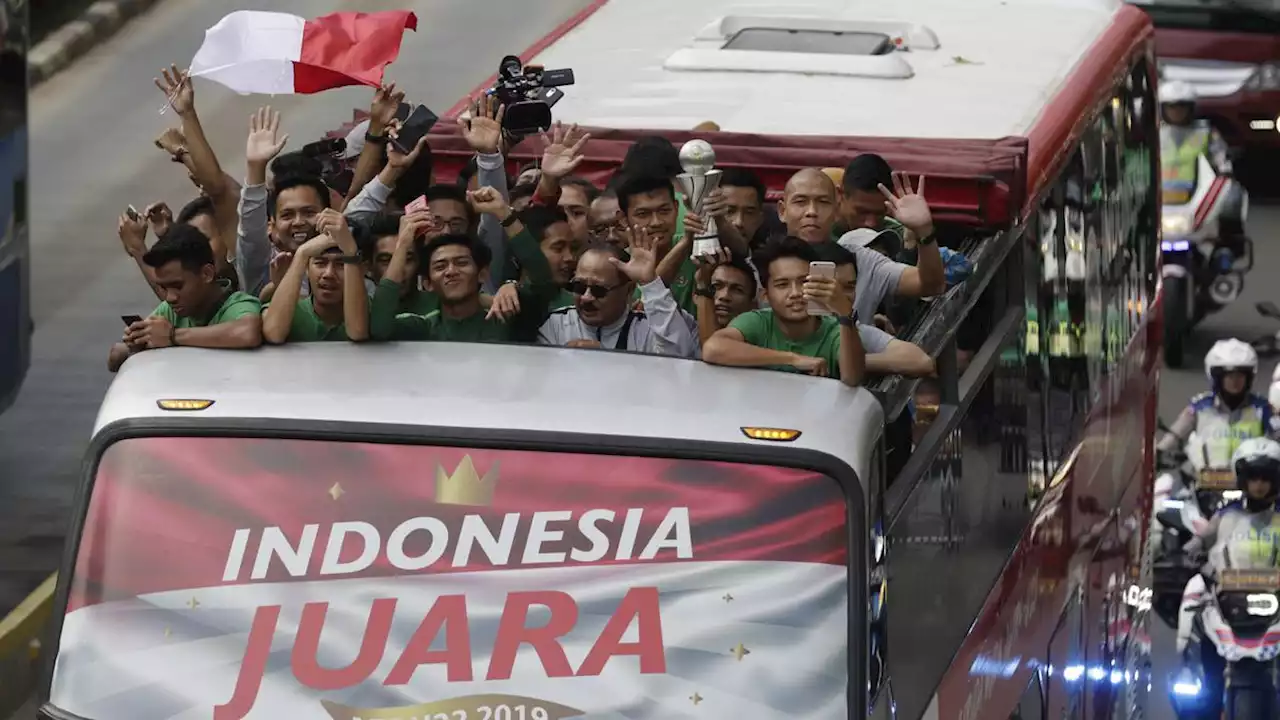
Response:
column 580, row 287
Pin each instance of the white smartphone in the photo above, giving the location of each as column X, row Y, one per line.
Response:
column 822, row 270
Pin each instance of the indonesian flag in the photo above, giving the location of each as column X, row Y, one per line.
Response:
column 279, row 54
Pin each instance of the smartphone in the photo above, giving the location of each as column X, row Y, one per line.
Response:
column 133, row 213
column 328, row 146
column 819, row 269
column 131, row 319
column 418, row 205
column 418, row 124
column 402, row 112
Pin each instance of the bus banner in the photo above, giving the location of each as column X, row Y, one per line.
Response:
column 304, row 579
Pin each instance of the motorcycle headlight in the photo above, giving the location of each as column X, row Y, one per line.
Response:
column 1175, row 224
column 1266, row 77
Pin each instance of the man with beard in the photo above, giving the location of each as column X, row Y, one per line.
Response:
column 602, row 315
column 197, row 309
column 808, row 208
column 456, row 269
column 726, row 288
column 338, row 308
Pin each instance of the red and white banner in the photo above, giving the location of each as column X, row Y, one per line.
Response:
column 277, row 578
column 251, row 51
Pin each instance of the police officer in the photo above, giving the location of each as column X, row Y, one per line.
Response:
column 1229, row 413
column 1183, row 139
column 1244, row 535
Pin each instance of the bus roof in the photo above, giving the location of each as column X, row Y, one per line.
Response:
column 982, row 69
column 507, row 387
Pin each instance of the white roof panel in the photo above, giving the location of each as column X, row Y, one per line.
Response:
column 1013, row 56
column 503, row 387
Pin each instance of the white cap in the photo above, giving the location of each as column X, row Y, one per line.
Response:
column 862, row 237
column 355, row 141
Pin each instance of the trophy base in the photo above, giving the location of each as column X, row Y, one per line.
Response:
column 706, row 246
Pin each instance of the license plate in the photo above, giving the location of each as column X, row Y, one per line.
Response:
column 1217, row 480
column 1265, row 581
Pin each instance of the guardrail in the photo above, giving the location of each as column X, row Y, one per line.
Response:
column 20, row 634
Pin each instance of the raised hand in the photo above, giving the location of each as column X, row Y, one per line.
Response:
column 715, row 205
column 400, row 161
column 177, row 89
column 316, row 246
column 279, row 267
column 334, row 224
column 827, row 293
column 413, row 225
column 706, row 265
column 562, row 151
column 489, row 201
column 483, row 129
column 133, row 234
column 908, row 206
column 160, row 217
column 172, row 141
column 642, row 268
column 265, row 141
column 386, row 101
column 694, row 225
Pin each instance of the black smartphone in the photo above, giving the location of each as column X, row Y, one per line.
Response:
column 418, row 124
column 131, row 319
column 328, row 146
column 402, row 112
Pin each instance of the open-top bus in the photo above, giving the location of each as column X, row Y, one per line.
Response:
column 1036, row 124
column 15, row 271
column 259, row 544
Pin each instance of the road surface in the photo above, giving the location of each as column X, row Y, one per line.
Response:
column 92, row 154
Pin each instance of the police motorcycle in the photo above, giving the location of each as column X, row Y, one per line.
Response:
column 1229, row 638
column 1204, row 250
column 1189, row 490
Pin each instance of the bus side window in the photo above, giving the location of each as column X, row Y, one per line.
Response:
column 1141, row 152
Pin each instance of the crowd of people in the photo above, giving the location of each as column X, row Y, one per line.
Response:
column 368, row 247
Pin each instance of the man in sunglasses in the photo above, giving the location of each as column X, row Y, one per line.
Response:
column 602, row 314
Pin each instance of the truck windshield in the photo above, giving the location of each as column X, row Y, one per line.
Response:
column 299, row 578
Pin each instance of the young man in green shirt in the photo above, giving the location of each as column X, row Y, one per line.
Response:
column 560, row 246
column 198, row 309
column 786, row 337
column 456, row 268
column 378, row 247
column 338, row 306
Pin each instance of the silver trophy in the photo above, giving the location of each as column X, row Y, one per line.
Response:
column 697, row 158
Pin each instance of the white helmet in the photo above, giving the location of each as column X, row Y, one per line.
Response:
column 1258, row 459
column 1176, row 91
column 1228, row 355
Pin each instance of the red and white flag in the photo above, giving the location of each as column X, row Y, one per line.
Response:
column 279, row 54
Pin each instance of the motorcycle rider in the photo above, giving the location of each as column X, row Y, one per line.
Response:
column 1183, row 139
column 1244, row 535
column 1229, row 412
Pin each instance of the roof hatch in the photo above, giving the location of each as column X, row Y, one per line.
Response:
column 814, row 46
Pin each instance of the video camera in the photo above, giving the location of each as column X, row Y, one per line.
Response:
column 528, row 92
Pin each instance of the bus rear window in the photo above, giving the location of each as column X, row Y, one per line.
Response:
column 295, row 578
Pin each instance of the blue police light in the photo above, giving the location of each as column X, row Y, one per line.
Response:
column 1175, row 245
column 1186, row 684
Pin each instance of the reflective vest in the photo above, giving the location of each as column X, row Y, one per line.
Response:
column 1222, row 430
column 1178, row 163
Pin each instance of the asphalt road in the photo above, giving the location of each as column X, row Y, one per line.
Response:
column 92, row 154
column 92, row 128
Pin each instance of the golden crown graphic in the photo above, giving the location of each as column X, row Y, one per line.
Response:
column 465, row 486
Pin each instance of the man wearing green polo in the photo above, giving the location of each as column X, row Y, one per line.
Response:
column 338, row 305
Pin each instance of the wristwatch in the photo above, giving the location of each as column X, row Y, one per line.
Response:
column 511, row 219
column 705, row 292
column 375, row 139
column 352, row 259
column 929, row 239
column 850, row 320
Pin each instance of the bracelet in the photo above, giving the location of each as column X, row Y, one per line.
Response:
column 375, row 139
column 705, row 292
column 512, row 219
column 928, row 239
